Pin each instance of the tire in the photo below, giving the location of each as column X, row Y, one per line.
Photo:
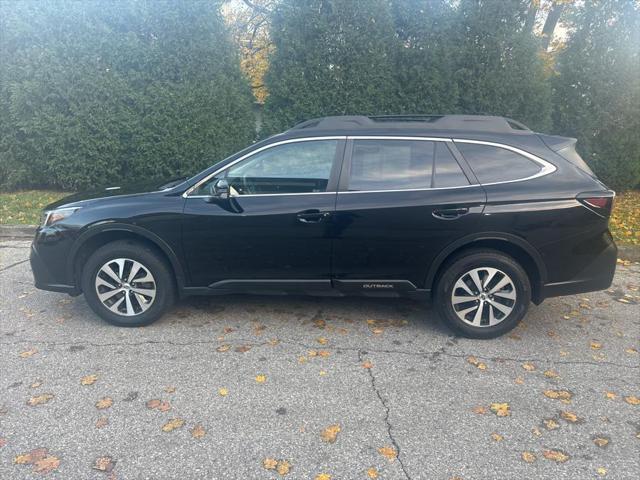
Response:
column 504, row 303
column 151, row 291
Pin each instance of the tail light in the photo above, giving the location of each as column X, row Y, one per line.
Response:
column 598, row 202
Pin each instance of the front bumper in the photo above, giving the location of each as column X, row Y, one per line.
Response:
column 597, row 275
column 43, row 277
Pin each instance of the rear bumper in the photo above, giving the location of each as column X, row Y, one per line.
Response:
column 597, row 275
column 43, row 278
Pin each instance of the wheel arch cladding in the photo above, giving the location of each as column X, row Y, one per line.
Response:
column 517, row 248
column 93, row 239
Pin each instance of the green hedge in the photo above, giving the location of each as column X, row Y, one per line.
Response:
column 99, row 92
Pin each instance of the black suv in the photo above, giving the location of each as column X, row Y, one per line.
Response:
column 479, row 213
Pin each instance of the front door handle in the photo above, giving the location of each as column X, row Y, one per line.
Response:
column 312, row 216
column 450, row 213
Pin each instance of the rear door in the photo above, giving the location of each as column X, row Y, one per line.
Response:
column 273, row 229
column 401, row 200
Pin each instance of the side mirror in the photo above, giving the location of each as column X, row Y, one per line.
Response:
column 221, row 189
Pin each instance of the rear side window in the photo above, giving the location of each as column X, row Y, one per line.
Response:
column 391, row 165
column 495, row 164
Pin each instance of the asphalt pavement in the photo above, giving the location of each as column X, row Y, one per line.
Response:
column 253, row 387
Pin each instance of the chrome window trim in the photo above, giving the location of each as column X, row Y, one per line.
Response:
column 545, row 167
column 250, row 154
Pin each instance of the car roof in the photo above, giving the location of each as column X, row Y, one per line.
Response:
column 449, row 125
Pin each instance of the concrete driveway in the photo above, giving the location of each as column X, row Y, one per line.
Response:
column 297, row 388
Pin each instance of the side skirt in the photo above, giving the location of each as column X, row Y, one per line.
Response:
column 325, row 288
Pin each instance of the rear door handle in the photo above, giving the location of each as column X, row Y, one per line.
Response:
column 450, row 213
column 312, row 216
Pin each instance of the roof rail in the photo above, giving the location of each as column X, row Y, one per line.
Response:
column 482, row 123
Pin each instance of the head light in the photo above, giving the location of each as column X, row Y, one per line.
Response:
column 54, row 216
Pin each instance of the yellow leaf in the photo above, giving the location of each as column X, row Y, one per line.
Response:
column 631, row 400
column 558, row 394
column 103, row 403
column 170, row 389
column 519, row 380
column 377, row 330
column 323, row 353
column 388, row 452
column 283, row 467
column 330, row 433
column 601, row 441
column 46, row 465
column 89, row 379
column 501, row 409
column 480, row 410
column 596, row 345
column 555, row 455
column 569, row 416
column 172, row 424
column 322, row 341
column 551, row 374
column 528, row 366
column 476, row 363
column 497, row 437
column 601, row 471
column 610, row 395
column 261, row 378
column 372, row 473
column 270, row 463
column 528, row 457
column 323, row 476
column 28, row 353
column 223, row 392
column 198, row 431
column 103, row 464
column 223, row 348
column 40, row 399
column 550, row 424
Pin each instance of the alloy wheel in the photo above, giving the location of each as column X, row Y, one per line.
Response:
column 125, row 286
column 483, row 297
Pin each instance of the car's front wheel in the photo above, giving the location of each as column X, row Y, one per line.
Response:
column 127, row 284
column 483, row 294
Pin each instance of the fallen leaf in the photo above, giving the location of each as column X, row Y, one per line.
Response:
column 367, row 364
column 476, row 363
column 528, row 366
column 536, row 431
column 31, row 457
column 497, row 437
column 46, row 464
column 550, row 424
column 610, row 395
column 631, row 400
column 372, row 473
column 104, row 464
column 551, row 374
column 270, row 463
column 501, row 409
column 89, row 379
column 558, row 394
column 172, row 424
column 28, row 353
column 388, row 452
column 555, row 455
column 283, row 467
column 330, row 433
column 40, row 399
column 243, row 348
column 528, row 457
column 480, row 410
column 261, row 378
column 36, row 384
column 198, row 431
column 569, row 417
column 601, row 471
column 322, row 341
column 223, row 348
column 324, row 353
column 600, row 441
column 104, row 403
column 631, row 351
column 377, row 330
column 170, row 389
column 596, row 345
column 519, row 380
column 323, row 476
column 102, row 422
column 223, row 392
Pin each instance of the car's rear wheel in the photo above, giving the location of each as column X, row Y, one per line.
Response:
column 483, row 294
column 127, row 284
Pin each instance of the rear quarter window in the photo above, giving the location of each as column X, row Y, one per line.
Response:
column 495, row 164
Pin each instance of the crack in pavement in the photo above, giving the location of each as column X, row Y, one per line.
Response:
column 13, row 265
column 432, row 356
column 386, row 415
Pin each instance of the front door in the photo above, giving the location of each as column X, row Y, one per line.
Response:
column 273, row 228
column 401, row 201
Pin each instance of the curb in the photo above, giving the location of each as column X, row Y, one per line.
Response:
column 17, row 231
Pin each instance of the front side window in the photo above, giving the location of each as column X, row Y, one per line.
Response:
column 391, row 165
column 494, row 164
column 299, row 167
